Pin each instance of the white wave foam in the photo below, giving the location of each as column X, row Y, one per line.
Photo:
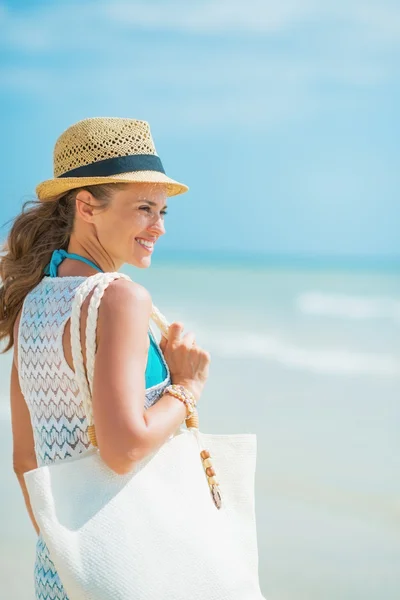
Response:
column 349, row 307
column 337, row 361
column 320, row 360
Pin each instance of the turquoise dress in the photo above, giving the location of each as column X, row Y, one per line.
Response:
column 59, row 425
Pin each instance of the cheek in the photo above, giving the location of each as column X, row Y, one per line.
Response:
column 123, row 226
column 113, row 231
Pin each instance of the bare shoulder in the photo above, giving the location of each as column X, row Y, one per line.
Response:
column 122, row 293
column 122, row 300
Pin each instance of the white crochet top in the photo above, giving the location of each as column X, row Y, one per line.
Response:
column 46, row 380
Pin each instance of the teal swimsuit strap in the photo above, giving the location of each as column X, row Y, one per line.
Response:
column 58, row 256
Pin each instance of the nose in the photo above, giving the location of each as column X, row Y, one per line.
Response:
column 158, row 228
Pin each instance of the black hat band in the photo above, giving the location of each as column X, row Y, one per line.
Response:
column 117, row 165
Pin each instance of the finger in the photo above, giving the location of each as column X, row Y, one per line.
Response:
column 189, row 339
column 163, row 342
column 174, row 331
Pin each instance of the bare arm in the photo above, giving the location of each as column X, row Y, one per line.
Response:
column 125, row 434
column 24, row 457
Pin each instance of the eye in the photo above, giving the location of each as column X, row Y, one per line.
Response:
column 148, row 208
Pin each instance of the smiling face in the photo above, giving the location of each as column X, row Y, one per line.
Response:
column 132, row 222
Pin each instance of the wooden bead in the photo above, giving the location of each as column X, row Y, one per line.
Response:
column 205, row 454
column 92, row 435
column 210, row 471
column 212, row 481
column 207, row 463
column 193, row 420
column 216, row 495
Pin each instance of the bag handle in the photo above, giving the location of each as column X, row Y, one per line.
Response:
column 100, row 282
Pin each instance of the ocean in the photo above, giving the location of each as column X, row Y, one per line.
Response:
column 309, row 360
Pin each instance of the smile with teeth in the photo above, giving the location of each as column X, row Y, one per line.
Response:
column 149, row 246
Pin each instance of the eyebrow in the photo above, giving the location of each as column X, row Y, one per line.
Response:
column 152, row 203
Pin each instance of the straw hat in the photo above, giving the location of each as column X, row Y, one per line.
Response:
column 106, row 150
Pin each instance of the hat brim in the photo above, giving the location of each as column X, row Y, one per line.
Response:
column 51, row 188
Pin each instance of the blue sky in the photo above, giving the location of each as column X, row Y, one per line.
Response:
column 282, row 117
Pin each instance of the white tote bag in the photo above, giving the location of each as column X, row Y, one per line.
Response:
column 156, row 533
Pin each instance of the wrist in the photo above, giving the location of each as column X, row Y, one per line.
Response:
column 191, row 385
column 184, row 395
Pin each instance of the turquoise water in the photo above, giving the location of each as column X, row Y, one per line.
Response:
column 309, row 360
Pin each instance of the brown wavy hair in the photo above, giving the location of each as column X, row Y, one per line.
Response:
column 36, row 232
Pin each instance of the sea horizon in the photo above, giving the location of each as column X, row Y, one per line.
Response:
column 230, row 259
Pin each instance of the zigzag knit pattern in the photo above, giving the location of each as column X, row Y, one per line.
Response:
column 52, row 396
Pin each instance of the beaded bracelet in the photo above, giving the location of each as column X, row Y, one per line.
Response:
column 183, row 394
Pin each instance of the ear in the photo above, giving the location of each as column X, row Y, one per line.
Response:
column 84, row 205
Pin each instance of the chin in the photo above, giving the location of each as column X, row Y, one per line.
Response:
column 140, row 264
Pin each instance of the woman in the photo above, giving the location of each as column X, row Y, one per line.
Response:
column 104, row 207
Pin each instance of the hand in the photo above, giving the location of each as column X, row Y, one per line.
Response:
column 187, row 362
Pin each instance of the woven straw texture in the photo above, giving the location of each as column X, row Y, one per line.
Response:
column 101, row 138
column 96, row 139
column 155, row 532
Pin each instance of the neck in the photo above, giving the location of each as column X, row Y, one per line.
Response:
column 91, row 250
